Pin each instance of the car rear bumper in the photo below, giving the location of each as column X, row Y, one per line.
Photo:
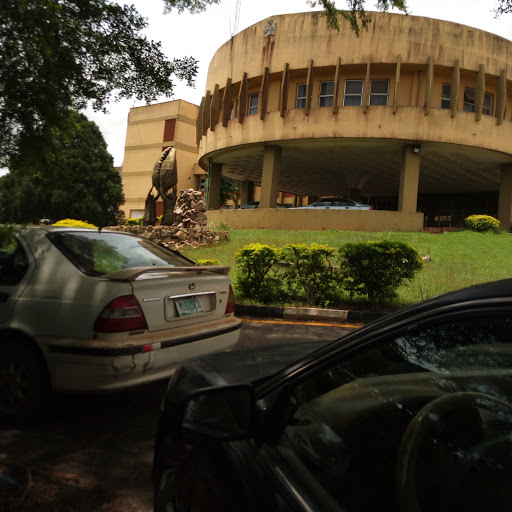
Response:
column 80, row 366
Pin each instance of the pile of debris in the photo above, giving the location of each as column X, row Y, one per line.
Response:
column 189, row 228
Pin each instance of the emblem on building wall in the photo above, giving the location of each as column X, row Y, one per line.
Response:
column 270, row 28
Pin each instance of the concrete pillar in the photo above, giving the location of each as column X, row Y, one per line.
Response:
column 505, row 198
column 409, row 179
column 214, row 179
column 270, row 176
column 247, row 192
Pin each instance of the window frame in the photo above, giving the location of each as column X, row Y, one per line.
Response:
column 379, row 94
column 252, row 108
column 446, row 88
column 324, row 98
column 353, row 95
column 300, row 98
column 469, row 104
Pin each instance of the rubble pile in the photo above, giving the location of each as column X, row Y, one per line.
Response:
column 189, row 229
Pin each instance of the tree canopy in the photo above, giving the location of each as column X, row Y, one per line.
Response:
column 61, row 54
column 74, row 178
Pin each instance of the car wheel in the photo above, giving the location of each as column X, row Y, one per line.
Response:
column 24, row 382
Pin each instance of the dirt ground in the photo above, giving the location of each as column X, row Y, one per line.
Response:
column 90, row 453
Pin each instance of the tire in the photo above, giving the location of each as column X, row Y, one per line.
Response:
column 24, row 382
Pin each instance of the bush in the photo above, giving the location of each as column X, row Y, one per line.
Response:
column 257, row 277
column 377, row 269
column 134, row 222
column 310, row 274
column 75, row 223
column 482, row 224
column 206, row 262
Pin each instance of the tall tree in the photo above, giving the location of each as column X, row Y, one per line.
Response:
column 74, row 178
column 61, row 54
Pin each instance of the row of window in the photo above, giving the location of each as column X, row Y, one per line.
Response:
column 379, row 91
column 469, row 100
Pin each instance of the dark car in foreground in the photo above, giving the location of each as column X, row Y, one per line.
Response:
column 335, row 203
column 412, row 412
column 256, row 204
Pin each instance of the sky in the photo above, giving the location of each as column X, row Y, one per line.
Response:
column 200, row 35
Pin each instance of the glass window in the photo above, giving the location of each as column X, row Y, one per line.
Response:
column 445, row 95
column 326, row 96
column 487, row 108
column 421, row 421
column 469, row 101
column 253, row 104
column 13, row 262
column 95, row 253
column 300, row 102
column 379, row 92
column 353, row 93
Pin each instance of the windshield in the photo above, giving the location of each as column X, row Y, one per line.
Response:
column 98, row 253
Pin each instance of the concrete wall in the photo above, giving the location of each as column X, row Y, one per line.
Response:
column 144, row 143
column 316, row 220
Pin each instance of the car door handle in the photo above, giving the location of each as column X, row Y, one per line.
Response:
column 4, row 297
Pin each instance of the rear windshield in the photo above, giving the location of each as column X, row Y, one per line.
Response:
column 98, row 253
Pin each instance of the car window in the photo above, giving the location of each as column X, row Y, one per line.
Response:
column 422, row 421
column 14, row 262
column 100, row 253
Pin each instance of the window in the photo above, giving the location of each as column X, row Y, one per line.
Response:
column 379, row 92
column 432, row 401
column 469, row 101
column 445, row 95
column 326, row 96
column 353, row 93
column 13, row 262
column 253, row 104
column 169, row 129
column 300, row 102
column 96, row 253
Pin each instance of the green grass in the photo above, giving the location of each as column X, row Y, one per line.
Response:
column 458, row 259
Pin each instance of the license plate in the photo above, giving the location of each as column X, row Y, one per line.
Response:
column 188, row 306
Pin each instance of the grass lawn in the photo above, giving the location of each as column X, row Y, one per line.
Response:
column 458, row 259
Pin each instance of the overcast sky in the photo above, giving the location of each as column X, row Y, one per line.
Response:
column 200, row 35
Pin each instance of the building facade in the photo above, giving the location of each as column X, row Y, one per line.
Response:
column 414, row 117
column 150, row 130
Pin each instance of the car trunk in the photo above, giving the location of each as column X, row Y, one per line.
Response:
column 177, row 297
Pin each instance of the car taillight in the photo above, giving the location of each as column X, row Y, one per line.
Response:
column 230, row 306
column 121, row 315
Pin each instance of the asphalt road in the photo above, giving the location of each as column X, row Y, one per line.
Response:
column 94, row 453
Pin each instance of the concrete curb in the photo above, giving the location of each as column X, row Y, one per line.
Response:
column 311, row 314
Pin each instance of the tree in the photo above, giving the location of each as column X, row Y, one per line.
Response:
column 74, row 178
column 62, row 54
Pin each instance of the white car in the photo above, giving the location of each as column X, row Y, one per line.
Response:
column 84, row 310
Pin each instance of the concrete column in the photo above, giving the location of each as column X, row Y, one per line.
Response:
column 409, row 179
column 270, row 176
column 247, row 192
column 214, row 179
column 505, row 198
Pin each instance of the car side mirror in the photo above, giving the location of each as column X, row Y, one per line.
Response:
column 223, row 414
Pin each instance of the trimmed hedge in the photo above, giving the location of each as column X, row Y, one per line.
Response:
column 308, row 273
column 482, row 224
column 74, row 223
column 377, row 269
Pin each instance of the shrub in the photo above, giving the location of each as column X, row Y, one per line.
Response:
column 257, row 272
column 310, row 274
column 134, row 222
column 482, row 224
column 377, row 269
column 75, row 223
column 206, row 262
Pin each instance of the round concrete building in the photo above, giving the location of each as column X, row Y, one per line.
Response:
column 414, row 117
